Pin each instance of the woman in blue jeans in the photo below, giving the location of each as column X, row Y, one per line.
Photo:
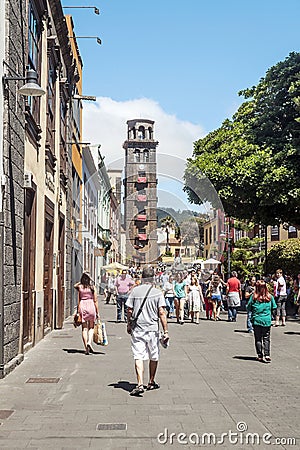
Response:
column 261, row 305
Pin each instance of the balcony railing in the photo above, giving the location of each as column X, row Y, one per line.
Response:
column 142, row 237
column 142, row 180
column 141, row 217
column 141, row 198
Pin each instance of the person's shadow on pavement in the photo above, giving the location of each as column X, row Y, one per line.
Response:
column 245, row 358
column 241, row 331
column 75, row 350
column 125, row 385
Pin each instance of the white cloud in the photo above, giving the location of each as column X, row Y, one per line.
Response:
column 104, row 122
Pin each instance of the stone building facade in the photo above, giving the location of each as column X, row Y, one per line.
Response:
column 12, row 148
column 140, row 194
column 35, row 174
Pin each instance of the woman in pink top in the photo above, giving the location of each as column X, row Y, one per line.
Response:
column 88, row 309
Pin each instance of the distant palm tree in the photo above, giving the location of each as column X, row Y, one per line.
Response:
column 168, row 223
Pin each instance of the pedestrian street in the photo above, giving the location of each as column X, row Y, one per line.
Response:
column 211, row 387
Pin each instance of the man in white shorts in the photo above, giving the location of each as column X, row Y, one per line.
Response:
column 145, row 335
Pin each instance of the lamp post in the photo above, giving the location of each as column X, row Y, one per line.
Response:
column 227, row 234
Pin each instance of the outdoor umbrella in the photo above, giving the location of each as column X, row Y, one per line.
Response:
column 212, row 261
column 115, row 266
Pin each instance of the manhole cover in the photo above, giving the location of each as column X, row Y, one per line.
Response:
column 42, row 380
column 111, row 426
column 5, row 413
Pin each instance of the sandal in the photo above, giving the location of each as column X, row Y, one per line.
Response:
column 137, row 392
column 152, row 386
column 260, row 359
column 268, row 359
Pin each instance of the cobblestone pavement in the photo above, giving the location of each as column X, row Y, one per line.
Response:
column 210, row 383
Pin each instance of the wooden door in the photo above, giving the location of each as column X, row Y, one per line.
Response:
column 61, row 274
column 48, row 264
column 28, row 265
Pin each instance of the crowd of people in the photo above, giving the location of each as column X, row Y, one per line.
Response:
column 146, row 297
column 191, row 292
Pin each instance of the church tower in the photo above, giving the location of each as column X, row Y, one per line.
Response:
column 140, row 193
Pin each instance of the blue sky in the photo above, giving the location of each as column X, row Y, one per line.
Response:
column 191, row 57
column 180, row 63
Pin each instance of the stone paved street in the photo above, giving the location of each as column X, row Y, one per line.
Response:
column 210, row 382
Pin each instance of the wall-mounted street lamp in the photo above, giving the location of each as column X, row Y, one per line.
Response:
column 78, row 143
column 30, row 88
column 96, row 10
column 90, row 98
column 87, row 37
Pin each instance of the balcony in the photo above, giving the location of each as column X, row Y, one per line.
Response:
column 141, row 197
column 142, row 180
column 142, row 237
column 141, row 217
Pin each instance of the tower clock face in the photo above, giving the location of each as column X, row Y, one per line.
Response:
column 141, row 167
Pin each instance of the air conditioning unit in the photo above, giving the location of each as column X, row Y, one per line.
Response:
column 28, row 179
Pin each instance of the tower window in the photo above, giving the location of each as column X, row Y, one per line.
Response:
column 137, row 156
column 146, row 156
column 141, row 132
column 150, row 131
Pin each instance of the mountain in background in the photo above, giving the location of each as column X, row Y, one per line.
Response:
column 179, row 216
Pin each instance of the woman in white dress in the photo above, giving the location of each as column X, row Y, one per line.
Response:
column 196, row 299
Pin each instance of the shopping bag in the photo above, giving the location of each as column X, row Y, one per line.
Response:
column 105, row 340
column 98, row 335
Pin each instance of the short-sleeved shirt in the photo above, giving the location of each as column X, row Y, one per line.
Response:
column 233, row 285
column 179, row 289
column 261, row 311
column 282, row 283
column 148, row 320
column 250, row 289
column 124, row 285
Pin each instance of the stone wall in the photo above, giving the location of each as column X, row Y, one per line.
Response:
column 13, row 149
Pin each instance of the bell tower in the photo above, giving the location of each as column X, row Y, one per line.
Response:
column 140, row 192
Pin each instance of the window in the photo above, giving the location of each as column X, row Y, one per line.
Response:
column 292, row 232
column 275, row 233
column 137, row 156
column 146, row 156
column 34, row 34
column 141, row 132
column 51, row 104
column 215, row 233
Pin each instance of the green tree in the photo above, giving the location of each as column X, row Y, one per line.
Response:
column 253, row 159
column 285, row 255
column 245, row 257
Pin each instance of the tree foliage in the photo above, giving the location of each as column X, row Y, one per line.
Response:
column 246, row 251
column 285, row 255
column 253, row 159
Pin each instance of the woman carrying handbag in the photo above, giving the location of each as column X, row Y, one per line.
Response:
column 88, row 309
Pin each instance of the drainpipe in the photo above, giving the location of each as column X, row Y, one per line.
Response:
column 2, row 57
